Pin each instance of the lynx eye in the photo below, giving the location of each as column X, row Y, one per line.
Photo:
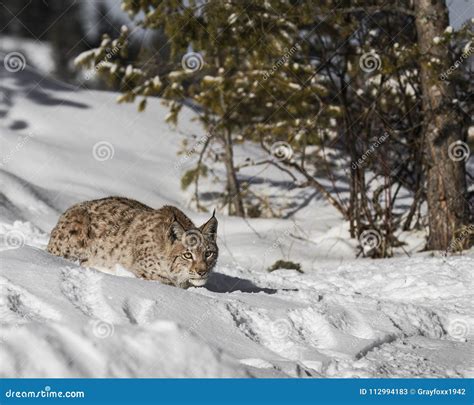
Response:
column 187, row 255
column 209, row 254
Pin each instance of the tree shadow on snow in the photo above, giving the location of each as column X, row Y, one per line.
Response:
column 222, row 283
column 38, row 88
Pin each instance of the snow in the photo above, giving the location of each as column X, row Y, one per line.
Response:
column 343, row 317
column 39, row 54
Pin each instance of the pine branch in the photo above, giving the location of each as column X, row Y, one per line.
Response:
column 377, row 9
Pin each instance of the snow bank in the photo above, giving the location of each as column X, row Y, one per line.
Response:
column 342, row 318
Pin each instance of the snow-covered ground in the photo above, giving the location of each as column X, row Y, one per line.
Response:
column 343, row 317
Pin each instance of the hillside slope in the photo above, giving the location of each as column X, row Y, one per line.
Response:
column 342, row 318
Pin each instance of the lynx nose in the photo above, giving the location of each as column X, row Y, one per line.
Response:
column 201, row 272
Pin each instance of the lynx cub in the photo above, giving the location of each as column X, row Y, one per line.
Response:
column 154, row 244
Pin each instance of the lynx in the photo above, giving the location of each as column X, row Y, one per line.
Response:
column 161, row 244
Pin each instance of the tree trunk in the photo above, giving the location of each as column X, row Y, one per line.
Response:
column 446, row 179
column 236, row 205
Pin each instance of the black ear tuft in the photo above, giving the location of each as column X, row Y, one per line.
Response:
column 176, row 231
column 210, row 227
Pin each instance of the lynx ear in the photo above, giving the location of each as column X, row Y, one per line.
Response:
column 176, row 231
column 210, row 227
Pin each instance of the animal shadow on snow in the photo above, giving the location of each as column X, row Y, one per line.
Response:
column 222, row 283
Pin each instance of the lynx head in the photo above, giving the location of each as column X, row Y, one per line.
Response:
column 194, row 252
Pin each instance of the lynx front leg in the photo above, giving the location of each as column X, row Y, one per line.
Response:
column 71, row 235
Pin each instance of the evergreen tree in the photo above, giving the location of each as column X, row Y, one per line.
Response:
column 242, row 63
column 301, row 79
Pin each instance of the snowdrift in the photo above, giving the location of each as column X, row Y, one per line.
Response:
column 343, row 317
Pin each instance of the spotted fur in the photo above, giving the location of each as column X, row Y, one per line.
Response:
column 161, row 244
